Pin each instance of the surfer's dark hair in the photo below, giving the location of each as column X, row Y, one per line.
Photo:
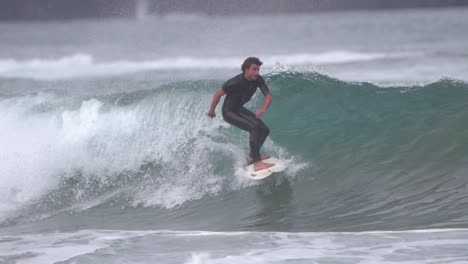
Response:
column 249, row 61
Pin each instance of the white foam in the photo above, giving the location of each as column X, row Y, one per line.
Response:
column 101, row 142
column 56, row 247
column 340, row 247
column 193, row 247
column 84, row 65
column 40, row 149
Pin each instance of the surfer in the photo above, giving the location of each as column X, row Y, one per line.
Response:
column 238, row 91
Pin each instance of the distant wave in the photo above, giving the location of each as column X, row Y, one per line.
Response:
column 83, row 65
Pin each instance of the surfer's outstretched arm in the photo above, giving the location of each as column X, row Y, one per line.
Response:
column 219, row 93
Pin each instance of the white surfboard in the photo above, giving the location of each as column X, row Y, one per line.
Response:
column 262, row 174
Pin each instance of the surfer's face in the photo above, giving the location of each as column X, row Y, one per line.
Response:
column 252, row 72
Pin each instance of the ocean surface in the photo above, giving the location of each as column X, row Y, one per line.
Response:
column 107, row 154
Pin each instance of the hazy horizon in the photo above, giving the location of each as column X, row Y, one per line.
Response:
column 69, row 9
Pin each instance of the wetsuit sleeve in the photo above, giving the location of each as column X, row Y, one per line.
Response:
column 228, row 86
column 262, row 85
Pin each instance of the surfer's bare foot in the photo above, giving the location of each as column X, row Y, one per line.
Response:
column 262, row 157
column 260, row 165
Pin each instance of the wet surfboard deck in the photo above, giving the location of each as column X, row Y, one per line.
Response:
column 262, row 174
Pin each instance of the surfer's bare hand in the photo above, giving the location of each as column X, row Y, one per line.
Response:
column 211, row 114
column 259, row 112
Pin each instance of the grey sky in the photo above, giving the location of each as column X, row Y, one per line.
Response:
column 63, row 9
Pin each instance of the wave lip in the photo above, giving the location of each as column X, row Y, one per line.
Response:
column 82, row 65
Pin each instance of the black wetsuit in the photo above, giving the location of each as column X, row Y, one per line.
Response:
column 238, row 91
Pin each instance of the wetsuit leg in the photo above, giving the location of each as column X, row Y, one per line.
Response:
column 247, row 123
column 264, row 131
